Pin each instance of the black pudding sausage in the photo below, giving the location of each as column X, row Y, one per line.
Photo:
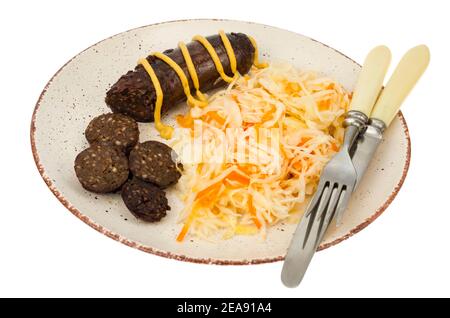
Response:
column 134, row 95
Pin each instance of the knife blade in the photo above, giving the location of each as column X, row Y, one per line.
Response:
column 366, row 146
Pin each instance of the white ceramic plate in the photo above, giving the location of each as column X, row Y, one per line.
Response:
column 76, row 94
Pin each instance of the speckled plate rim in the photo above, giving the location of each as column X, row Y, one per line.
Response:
column 170, row 255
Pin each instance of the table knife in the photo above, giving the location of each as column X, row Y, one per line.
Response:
column 402, row 81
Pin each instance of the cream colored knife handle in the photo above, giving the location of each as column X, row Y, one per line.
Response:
column 411, row 67
column 370, row 79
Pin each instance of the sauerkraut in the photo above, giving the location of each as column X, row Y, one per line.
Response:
column 253, row 156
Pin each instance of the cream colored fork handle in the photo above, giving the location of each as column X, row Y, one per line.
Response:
column 370, row 79
column 411, row 67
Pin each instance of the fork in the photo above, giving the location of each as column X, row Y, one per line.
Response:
column 338, row 177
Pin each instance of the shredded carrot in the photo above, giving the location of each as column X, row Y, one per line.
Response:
column 247, row 168
column 324, row 105
column 209, row 194
column 334, row 147
column 230, row 185
column 298, row 165
column 252, row 210
column 236, row 176
column 247, row 125
column 185, row 121
column 293, row 88
column 213, row 115
column 183, row 232
column 268, row 115
column 186, row 225
column 304, row 140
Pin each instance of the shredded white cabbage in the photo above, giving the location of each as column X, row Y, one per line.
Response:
column 262, row 144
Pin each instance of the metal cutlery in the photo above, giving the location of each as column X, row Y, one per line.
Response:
column 338, row 176
column 410, row 68
column 341, row 174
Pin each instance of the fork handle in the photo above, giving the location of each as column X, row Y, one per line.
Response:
column 370, row 79
column 409, row 70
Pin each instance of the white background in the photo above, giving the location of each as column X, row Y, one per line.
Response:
column 46, row 251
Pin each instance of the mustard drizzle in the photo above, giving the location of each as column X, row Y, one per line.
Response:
column 184, row 81
column 191, row 70
column 256, row 59
column 219, row 67
column 230, row 52
column 167, row 131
